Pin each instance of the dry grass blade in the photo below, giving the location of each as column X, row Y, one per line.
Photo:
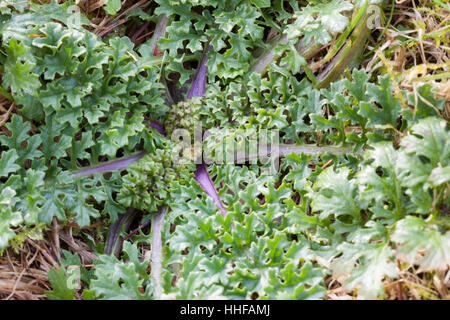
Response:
column 6, row 116
column 22, row 275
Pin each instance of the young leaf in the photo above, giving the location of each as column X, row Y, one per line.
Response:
column 413, row 235
column 59, row 282
column 113, row 6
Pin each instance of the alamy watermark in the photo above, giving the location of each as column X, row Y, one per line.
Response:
column 227, row 146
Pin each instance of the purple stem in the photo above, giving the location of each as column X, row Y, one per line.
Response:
column 160, row 31
column 110, row 166
column 158, row 127
column 201, row 174
column 113, row 243
column 157, row 247
column 198, row 85
column 204, row 180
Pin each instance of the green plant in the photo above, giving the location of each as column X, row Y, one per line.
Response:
column 91, row 140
